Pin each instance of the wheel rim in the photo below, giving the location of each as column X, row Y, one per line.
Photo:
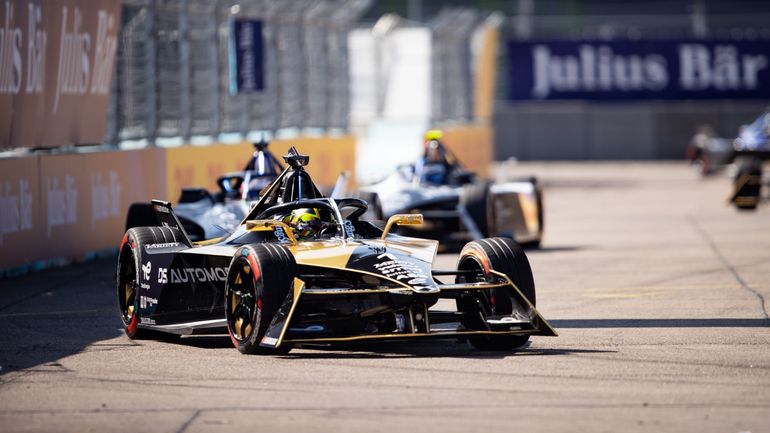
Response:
column 492, row 302
column 243, row 304
column 127, row 288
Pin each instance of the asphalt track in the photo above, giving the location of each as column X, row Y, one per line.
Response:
column 659, row 291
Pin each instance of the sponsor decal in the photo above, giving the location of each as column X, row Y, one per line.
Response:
column 271, row 341
column 309, row 328
column 147, row 320
column 56, row 67
column 164, row 245
column 350, row 231
column 145, row 286
column 163, row 275
column 400, row 270
column 191, row 275
column 105, row 196
column 62, row 202
column 15, row 209
column 147, row 302
column 146, row 268
column 10, row 53
column 673, row 69
column 159, row 208
column 280, row 235
column 75, row 66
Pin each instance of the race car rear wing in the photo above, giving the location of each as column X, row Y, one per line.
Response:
column 167, row 218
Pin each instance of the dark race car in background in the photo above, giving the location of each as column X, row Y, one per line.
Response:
column 456, row 203
column 750, row 151
column 707, row 152
column 206, row 215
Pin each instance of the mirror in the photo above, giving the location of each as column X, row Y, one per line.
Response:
column 413, row 219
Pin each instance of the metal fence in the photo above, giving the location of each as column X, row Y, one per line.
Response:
column 172, row 70
column 451, row 64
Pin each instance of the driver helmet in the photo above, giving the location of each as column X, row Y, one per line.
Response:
column 306, row 223
column 434, row 134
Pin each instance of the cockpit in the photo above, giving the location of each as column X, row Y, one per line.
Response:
column 293, row 201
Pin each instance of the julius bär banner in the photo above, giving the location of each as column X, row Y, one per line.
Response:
column 627, row 70
column 56, row 62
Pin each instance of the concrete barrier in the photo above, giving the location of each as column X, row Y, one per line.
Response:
column 59, row 208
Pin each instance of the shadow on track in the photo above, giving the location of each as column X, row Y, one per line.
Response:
column 389, row 349
column 660, row 323
column 51, row 314
column 554, row 249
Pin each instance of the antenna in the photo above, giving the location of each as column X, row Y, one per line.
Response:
column 295, row 160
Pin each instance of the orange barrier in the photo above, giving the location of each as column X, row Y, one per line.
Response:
column 56, row 70
column 486, row 75
column 20, row 211
column 65, row 207
column 328, row 156
column 200, row 166
column 473, row 146
column 194, row 166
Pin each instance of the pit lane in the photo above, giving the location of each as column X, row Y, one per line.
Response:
column 656, row 285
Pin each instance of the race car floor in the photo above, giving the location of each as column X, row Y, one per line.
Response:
column 658, row 288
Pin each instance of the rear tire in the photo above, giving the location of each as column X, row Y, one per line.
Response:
column 129, row 267
column 748, row 184
column 505, row 256
column 259, row 279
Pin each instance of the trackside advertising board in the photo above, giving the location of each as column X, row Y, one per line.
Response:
column 60, row 207
column 629, row 70
column 56, row 62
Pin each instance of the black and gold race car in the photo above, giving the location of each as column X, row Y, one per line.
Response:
column 303, row 269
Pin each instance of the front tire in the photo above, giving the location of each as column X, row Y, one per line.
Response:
column 505, row 256
column 259, row 279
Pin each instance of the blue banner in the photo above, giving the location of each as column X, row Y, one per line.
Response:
column 246, row 57
column 629, row 70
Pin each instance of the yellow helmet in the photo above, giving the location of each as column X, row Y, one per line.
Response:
column 433, row 134
column 306, row 223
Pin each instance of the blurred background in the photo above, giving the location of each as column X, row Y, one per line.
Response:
column 107, row 102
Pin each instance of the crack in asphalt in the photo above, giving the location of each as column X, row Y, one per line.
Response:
column 729, row 266
column 189, row 421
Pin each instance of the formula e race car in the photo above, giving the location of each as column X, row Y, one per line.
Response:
column 750, row 151
column 304, row 269
column 457, row 205
column 708, row 153
column 205, row 215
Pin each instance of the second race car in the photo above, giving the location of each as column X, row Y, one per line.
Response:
column 206, row 215
column 750, row 151
column 456, row 203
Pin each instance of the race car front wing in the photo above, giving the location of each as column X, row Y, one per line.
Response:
column 328, row 315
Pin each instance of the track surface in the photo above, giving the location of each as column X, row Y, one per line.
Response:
column 659, row 290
